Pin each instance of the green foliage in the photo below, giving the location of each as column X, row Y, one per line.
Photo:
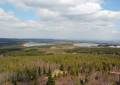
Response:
column 61, row 68
column 14, row 80
column 44, row 71
column 39, row 71
column 98, row 51
column 82, row 82
column 51, row 80
column 31, row 74
column 49, row 72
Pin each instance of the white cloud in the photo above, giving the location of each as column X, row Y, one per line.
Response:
column 86, row 8
column 71, row 19
column 109, row 14
column 47, row 13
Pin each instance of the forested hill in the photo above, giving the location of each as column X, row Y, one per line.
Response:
column 11, row 41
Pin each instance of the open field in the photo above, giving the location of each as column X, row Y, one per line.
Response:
column 59, row 65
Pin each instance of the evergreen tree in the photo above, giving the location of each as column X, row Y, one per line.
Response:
column 36, row 82
column 81, row 82
column 61, row 68
column 44, row 71
column 51, row 80
column 39, row 71
column 14, row 80
column 49, row 71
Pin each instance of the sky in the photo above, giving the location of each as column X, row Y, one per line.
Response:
column 60, row 19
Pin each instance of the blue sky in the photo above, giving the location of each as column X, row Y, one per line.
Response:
column 112, row 5
column 62, row 19
column 19, row 13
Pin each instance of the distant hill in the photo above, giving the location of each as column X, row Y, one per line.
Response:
column 12, row 41
column 7, row 41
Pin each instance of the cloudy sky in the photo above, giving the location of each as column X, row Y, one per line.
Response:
column 60, row 19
